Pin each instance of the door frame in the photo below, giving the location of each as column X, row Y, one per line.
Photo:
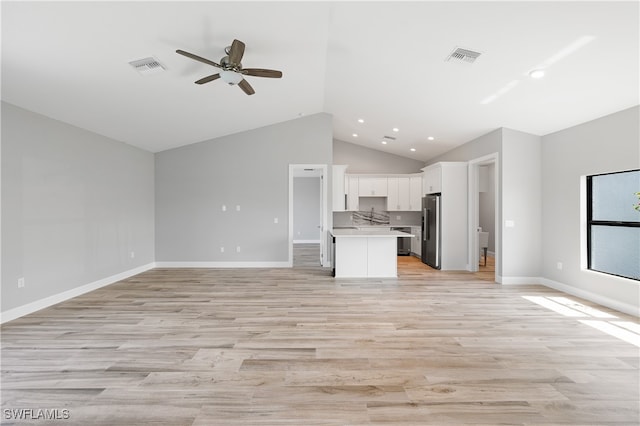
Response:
column 474, row 211
column 324, row 214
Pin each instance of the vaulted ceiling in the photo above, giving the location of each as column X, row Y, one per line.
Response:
column 382, row 62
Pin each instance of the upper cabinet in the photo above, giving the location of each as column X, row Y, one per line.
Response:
column 404, row 193
column 373, row 186
column 415, row 192
column 353, row 196
column 338, row 187
column 398, row 190
column 432, row 179
column 445, row 176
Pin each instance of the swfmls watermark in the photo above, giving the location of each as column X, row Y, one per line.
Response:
column 36, row 414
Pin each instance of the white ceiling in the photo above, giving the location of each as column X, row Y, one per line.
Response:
column 383, row 62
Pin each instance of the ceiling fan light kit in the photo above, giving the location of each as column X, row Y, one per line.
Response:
column 232, row 71
column 231, row 77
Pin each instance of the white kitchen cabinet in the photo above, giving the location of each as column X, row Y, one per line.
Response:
column 366, row 253
column 398, row 194
column 415, row 193
column 353, row 194
column 416, row 241
column 433, row 179
column 404, row 193
column 339, row 188
column 450, row 180
column 373, row 186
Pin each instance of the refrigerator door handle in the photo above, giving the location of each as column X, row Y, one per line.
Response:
column 424, row 224
column 427, row 226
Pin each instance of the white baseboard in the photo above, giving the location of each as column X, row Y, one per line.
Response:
column 593, row 297
column 223, row 265
column 306, row 241
column 29, row 308
column 517, row 280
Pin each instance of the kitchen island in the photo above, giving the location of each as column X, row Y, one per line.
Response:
column 366, row 253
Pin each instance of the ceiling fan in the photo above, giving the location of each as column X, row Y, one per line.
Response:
column 231, row 68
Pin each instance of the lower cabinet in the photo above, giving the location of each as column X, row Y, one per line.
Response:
column 366, row 257
column 416, row 241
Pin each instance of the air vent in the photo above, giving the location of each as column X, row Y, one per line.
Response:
column 463, row 55
column 391, row 138
column 147, row 66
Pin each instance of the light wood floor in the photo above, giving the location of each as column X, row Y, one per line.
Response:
column 298, row 347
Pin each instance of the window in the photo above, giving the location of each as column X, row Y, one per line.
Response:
column 613, row 223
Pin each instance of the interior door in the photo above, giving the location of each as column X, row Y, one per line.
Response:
column 322, row 237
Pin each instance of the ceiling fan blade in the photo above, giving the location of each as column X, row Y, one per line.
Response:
column 260, row 72
column 246, row 87
column 198, row 58
column 208, row 79
column 236, row 52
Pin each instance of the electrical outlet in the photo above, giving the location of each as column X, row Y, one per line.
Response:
column 224, row 208
column 221, row 249
column 21, row 282
column 132, row 254
column 398, row 217
column 238, row 208
column 559, row 266
column 238, row 249
column 275, row 220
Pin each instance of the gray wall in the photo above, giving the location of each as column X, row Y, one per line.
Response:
column 366, row 160
column 482, row 146
column 519, row 199
column 74, row 206
column 248, row 169
column 539, row 183
column 478, row 147
column 521, row 203
column 306, row 209
column 610, row 143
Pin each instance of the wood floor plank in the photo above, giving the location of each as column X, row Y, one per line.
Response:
column 293, row 346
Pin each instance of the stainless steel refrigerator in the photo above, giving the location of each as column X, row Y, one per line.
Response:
column 431, row 235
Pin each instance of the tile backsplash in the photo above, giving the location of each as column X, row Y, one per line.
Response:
column 382, row 217
column 370, row 217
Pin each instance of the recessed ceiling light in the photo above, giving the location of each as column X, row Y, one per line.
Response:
column 413, row 150
column 536, row 74
column 384, row 142
column 355, row 135
column 430, row 138
column 395, row 129
column 360, row 120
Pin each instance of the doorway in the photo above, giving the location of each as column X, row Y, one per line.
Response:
column 484, row 212
column 308, row 222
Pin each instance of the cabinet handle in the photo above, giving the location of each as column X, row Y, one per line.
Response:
column 345, row 201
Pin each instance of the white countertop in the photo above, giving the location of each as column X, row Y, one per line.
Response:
column 371, row 232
